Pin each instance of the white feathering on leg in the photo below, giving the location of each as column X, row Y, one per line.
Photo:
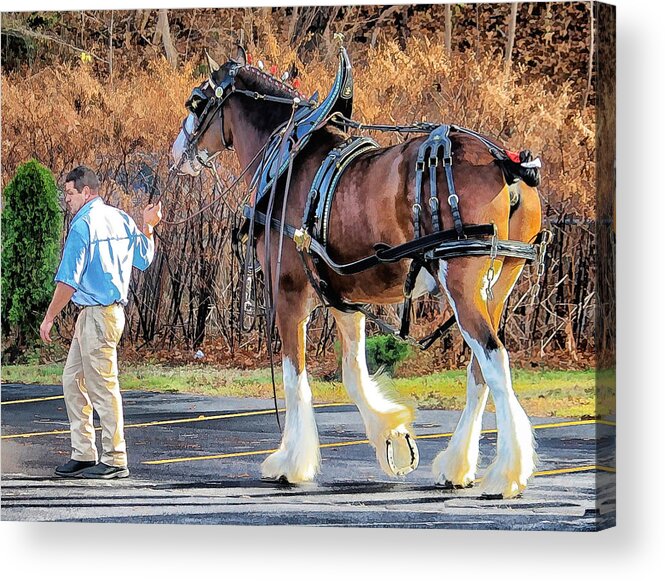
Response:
column 298, row 457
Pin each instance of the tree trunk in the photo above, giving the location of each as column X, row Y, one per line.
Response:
column 111, row 51
column 164, row 32
column 293, row 23
column 508, row 57
column 592, row 48
column 447, row 28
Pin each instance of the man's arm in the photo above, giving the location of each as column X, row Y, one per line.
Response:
column 68, row 278
column 144, row 249
column 63, row 293
column 152, row 215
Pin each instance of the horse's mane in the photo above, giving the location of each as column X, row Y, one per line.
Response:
column 261, row 113
column 257, row 80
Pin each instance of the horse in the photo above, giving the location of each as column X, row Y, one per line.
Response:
column 374, row 202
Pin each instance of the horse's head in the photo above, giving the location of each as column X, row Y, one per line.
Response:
column 204, row 134
column 237, row 100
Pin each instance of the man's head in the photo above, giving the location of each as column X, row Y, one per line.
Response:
column 81, row 186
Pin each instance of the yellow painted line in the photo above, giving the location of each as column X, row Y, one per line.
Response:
column 204, row 418
column 575, row 423
column 31, row 434
column 350, row 443
column 33, row 399
column 249, row 453
column 535, row 427
column 610, row 469
column 342, row 444
column 211, row 457
column 201, row 418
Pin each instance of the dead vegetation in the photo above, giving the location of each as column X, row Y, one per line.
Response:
column 72, row 110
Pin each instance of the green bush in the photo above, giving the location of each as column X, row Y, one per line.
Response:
column 385, row 351
column 31, row 234
column 381, row 351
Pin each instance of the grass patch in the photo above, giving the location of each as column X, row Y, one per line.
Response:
column 542, row 393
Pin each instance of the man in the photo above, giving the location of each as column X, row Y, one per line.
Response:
column 102, row 246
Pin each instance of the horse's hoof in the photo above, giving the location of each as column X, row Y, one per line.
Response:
column 281, row 480
column 448, row 485
column 402, row 459
column 490, row 496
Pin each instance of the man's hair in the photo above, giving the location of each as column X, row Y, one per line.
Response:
column 83, row 176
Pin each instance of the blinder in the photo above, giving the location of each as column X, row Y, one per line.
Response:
column 200, row 105
column 197, row 102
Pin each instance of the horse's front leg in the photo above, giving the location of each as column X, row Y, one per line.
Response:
column 298, row 457
column 387, row 422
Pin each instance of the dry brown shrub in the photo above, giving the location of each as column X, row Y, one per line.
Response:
column 70, row 114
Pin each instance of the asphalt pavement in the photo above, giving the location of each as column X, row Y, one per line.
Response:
column 196, row 459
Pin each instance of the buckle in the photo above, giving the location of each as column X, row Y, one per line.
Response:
column 420, row 165
column 302, row 239
column 433, row 161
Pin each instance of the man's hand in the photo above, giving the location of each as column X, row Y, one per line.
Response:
column 45, row 329
column 152, row 215
column 63, row 292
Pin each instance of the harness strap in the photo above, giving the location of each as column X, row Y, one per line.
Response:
column 453, row 199
column 443, row 244
column 329, row 300
column 383, row 252
column 417, row 207
column 409, row 284
column 433, row 198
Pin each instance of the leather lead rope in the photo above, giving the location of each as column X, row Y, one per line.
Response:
column 270, row 293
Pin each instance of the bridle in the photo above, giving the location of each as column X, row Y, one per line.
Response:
column 204, row 119
column 214, row 106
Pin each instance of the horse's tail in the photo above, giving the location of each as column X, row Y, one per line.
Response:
column 522, row 166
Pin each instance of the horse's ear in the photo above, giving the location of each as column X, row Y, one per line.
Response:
column 241, row 57
column 212, row 65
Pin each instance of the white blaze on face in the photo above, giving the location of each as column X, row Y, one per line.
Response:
column 180, row 145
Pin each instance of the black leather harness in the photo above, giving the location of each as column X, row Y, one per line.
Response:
column 316, row 216
column 306, row 122
column 311, row 238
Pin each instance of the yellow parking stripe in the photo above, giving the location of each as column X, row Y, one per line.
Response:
column 535, row 427
column 204, row 418
column 572, row 469
column 33, row 399
column 575, row 423
column 211, row 457
column 357, row 442
column 201, row 418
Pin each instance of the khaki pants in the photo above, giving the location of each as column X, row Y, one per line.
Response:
column 90, row 380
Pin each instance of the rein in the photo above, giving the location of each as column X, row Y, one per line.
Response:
column 221, row 196
column 221, row 95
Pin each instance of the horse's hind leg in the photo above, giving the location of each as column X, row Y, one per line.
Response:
column 298, row 456
column 387, row 422
column 456, row 466
column 463, row 279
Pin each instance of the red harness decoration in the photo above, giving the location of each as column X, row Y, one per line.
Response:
column 514, row 157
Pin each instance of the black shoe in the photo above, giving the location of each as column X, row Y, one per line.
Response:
column 105, row 471
column 73, row 468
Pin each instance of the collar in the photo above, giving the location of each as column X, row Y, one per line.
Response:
column 84, row 210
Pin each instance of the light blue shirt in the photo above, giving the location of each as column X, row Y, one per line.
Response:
column 102, row 246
